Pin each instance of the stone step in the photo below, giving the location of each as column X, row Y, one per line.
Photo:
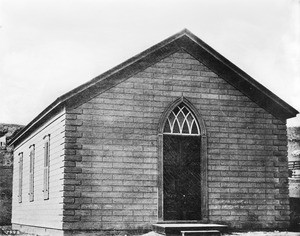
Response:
column 201, row 233
column 175, row 229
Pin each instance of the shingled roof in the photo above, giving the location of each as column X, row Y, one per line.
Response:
column 184, row 40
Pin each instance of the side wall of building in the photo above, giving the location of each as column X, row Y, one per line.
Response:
column 113, row 142
column 40, row 212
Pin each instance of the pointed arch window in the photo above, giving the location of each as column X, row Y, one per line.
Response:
column 181, row 121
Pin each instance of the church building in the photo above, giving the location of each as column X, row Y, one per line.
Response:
column 177, row 133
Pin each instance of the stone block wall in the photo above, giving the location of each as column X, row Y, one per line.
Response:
column 112, row 151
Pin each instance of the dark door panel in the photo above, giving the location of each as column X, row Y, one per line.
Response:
column 182, row 177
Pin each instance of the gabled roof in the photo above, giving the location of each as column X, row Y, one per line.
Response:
column 184, row 40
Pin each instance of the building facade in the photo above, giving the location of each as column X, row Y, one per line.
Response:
column 176, row 134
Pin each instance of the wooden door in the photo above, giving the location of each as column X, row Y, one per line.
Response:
column 181, row 177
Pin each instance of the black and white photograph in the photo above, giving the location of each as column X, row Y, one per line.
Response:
column 150, row 117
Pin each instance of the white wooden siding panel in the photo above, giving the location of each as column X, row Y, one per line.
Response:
column 40, row 212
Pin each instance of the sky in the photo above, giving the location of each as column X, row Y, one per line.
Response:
column 49, row 47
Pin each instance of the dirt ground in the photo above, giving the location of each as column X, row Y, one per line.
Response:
column 258, row 233
column 276, row 233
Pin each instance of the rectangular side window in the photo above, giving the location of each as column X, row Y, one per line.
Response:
column 46, row 166
column 31, row 172
column 20, row 176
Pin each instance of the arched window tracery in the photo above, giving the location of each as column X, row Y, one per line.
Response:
column 181, row 121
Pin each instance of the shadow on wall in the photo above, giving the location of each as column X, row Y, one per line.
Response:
column 295, row 213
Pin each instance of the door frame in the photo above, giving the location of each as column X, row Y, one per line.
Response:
column 203, row 158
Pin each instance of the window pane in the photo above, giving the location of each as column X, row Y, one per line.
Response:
column 31, row 174
column 185, row 111
column 176, row 128
column 46, row 167
column 171, row 118
column 181, row 105
column 30, row 168
column 167, row 127
column 176, row 110
column 180, row 118
column 195, row 129
column 46, row 154
column 185, row 128
column 190, row 119
column 20, row 176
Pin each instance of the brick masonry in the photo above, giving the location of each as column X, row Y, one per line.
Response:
column 111, row 161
